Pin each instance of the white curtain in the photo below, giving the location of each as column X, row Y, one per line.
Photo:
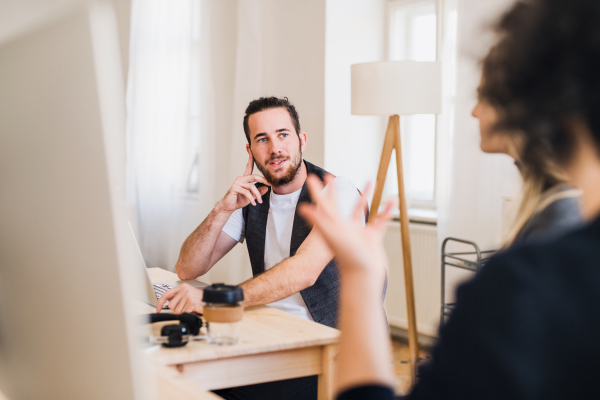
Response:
column 162, row 138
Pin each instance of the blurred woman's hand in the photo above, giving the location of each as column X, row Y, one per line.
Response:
column 357, row 249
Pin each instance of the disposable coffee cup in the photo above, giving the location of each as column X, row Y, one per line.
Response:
column 223, row 311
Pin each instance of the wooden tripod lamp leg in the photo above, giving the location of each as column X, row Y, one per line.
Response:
column 391, row 142
column 413, row 343
column 386, row 155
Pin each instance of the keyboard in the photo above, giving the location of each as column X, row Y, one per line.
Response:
column 160, row 288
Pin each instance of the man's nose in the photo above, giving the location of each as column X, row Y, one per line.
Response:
column 275, row 148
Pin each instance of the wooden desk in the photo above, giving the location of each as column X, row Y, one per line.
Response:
column 273, row 345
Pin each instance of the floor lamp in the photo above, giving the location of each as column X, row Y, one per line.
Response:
column 394, row 88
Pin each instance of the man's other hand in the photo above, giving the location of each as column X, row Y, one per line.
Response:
column 243, row 191
column 183, row 298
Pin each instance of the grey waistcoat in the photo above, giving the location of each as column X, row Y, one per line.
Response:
column 321, row 298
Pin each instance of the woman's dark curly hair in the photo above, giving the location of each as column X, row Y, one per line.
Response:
column 544, row 71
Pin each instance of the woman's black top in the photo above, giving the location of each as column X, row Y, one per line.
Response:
column 371, row 392
column 526, row 327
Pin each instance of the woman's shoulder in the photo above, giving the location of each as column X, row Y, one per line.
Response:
column 560, row 213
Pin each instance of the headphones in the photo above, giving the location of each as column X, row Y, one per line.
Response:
column 176, row 335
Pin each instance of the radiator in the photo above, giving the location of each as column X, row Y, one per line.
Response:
column 426, row 274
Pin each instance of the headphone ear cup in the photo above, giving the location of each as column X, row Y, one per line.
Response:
column 175, row 335
column 189, row 325
column 193, row 322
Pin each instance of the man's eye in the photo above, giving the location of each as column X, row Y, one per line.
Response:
column 261, row 140
column 284, row 134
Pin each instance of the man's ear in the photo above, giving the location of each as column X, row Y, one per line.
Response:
column 248, row 149
column 303, row 140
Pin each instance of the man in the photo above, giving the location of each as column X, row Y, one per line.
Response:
column 293, row 268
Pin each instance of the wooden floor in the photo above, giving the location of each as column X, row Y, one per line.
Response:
column 401, row 365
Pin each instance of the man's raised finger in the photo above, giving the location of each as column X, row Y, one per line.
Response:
column 250, row 165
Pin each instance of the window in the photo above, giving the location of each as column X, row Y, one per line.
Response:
column 422, row 31
column 164, row 100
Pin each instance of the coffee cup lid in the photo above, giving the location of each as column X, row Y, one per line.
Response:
column 221, row 293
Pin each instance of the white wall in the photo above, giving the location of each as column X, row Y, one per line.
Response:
column 294, row 58
column 355, row 33
column 280, row 52
column 219, row 22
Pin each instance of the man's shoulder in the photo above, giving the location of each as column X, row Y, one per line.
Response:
column 319, row 171
column 342, row 183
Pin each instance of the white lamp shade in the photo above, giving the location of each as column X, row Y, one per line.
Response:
column 397, row 87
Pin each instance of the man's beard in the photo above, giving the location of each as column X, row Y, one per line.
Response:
column 290, row 174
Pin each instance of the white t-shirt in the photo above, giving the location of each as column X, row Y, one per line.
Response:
column 279, row 232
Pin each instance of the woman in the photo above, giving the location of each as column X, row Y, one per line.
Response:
column 527, row 326
column 549, row 206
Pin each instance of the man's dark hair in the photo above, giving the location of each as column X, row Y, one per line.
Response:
column 544, row 72
column 265, row 103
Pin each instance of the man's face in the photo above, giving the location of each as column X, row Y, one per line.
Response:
column 275, row 146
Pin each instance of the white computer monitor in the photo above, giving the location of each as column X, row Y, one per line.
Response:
column 64, row 324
